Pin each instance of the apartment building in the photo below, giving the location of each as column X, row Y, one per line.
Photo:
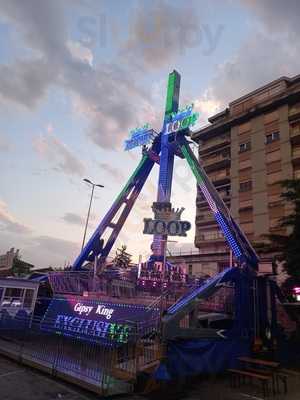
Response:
column 246, row 150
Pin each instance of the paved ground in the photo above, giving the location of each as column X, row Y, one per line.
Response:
column 18, row 382
column 220, row 390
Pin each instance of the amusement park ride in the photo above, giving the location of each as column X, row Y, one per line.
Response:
column 253, row 298
column 227, row 313
column 170, row 142
column 171, row 291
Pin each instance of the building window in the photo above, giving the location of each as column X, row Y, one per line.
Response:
column 247, row 227
column 272, row 137
column 244, row 164
column 246, row 216
column 13, row 297
column 190, row 269
column 297, row 174
column 274, row 166
column 274, row 156
column 245, row 186
column 211, row 235
column 274, row 177
column 245, row 147
column 295, row 128
column 28, row 298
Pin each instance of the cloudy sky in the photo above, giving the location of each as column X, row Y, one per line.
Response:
column 77, row 75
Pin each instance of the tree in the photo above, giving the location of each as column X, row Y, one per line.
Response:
column 286, row 247
column 122, row 258
column 20, row 268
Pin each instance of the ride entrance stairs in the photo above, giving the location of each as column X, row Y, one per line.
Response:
column 186, row 307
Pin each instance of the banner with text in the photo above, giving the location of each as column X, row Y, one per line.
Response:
column 94, row 320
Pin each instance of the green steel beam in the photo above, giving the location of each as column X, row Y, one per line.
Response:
column 172, row 93
column 192, row 164
column 131, row 179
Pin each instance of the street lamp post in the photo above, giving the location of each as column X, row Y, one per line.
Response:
column 88, row 215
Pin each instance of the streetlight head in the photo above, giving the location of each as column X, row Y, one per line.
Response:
column 100, row 186
column 87, row 180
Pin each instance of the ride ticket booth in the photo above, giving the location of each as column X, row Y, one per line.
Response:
column 17, row 295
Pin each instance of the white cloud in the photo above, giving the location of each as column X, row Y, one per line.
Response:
column 271, row 51
column 43, row 251
column 80, row 52
column 99, row 91
column 115, row 173
column 277, row 16
column 259, row 60
column 26, row 81
column 49, row 128
column 5, row 144
column 73, row 219
column 9, row 223
column 57, row 246
column 207, row 106
column 62, row 159
column 160, row 32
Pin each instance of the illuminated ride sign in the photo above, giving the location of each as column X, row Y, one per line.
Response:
column 140, row 137
column 183, row 119
column 296, row 291
column 100, row 310
column 97, row 321
column 166, row 221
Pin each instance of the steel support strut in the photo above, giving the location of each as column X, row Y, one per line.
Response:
column 235, row 237
column 166, row 161
column 126, row 199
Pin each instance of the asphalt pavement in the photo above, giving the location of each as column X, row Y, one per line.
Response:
column 19, row 382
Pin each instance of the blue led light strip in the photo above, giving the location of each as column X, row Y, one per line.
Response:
column 213, row 206
column 233, row 244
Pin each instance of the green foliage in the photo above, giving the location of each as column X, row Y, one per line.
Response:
column 122, row 258
column 20, row 268
column 287, row 247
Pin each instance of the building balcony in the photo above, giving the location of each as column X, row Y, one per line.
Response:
column 296, row 156
column 256, row 98
column 216, row 164
column 214, row 159
column 297, row 173
column 210, row 237
column 226, row 198
column 294, row 114
column 201, row 201
column 207, row 224
column 220, row 179
column 295, row 134
column 211, row 246
column 206, row 219
column 212, row 145
column 213, row 251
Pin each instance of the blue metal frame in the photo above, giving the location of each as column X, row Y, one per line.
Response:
column 96, row 247
column 236, row 239
column 167, row 146
column 166, row 160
